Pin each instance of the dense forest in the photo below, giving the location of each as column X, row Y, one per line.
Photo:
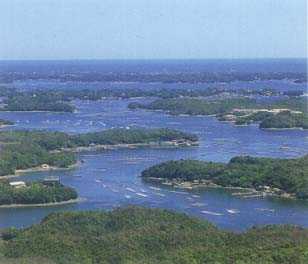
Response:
column 286, row 175
column 285, row 119
column 139, row 235
column 195, row 106
column 266, row 119
column 29, row 154
column 35, row 102
column 35, row 193
column 26, row 149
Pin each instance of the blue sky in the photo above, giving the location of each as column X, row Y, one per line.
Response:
column 156, row 29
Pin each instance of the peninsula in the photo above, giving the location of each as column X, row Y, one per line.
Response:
column 18, row 194
column 284, row 113
column 21, row 150
column 260, row 176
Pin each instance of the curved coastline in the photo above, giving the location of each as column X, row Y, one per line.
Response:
column 244, row 192
column 72, row 201
column 19, row 173
column 164, row 144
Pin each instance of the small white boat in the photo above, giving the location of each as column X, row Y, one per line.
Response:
column 195, row 196
column 178, row 192
column 211, row 213
column 232, row 211
column 128, row 196
column 130, row 189
column 160, row 194
column 141, row 194
column 198, row 204
column 265, row 210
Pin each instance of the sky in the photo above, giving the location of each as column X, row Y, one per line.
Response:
column 152, row 29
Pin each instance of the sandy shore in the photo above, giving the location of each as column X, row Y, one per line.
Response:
column 78, row 200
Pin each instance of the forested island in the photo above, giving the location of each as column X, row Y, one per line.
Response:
column 60, row 100
column 264, row 176
column 284, row 113
column 35, row 193
column 23, row 149
column 35, row 102
column 140, row 235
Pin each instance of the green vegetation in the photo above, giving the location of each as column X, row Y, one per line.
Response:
column 225, row 110
column 131, row 136
column 285, row 119
column 194, row 106
column 28, row 154
column 285, row 175
column 266, row 119
column 139, row 235
column 35, row 193
column 28, row 149
column 35, row 102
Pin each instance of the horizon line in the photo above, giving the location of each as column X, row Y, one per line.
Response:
column 157, row 59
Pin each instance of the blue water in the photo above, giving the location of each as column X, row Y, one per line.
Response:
column 104, row 176
column 108, row 179
column 156, row 66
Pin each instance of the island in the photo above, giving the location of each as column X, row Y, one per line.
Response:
column 143, row 235
column 39, row 193
column 257, row 176
column 42, row 150
column 284, row 113
column 61, row 100
column 35, row 102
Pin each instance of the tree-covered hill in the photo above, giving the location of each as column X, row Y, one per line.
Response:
column 139, row 235
column 26, row 149
column 291, row 112
column 286, row 175
column 35, row 193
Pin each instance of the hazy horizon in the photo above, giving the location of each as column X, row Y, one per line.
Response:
column 152, row 30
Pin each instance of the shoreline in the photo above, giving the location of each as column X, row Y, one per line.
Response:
column 33, row 111
column 72, row 201
column 19, row 173
column 247, row 192
column 233, row 122
column 164, row 144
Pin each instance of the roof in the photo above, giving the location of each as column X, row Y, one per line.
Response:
column 16, row 183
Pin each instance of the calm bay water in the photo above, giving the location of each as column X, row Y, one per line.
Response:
column 108, row 179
